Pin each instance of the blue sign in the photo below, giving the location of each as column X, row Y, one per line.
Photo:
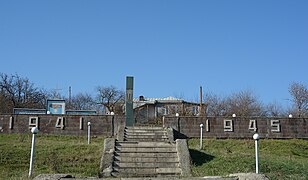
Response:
column 55, row 106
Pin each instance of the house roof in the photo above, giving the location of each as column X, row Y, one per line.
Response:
column 138, row 102
column 170, row 98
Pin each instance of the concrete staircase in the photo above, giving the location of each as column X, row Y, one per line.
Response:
column 145, row 159
column 145, row 134
column 144, row 152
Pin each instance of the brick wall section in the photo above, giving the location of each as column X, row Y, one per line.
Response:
column 190, row 127
column 100, row 125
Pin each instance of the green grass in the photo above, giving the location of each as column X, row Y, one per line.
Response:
column 53, row 154
column 279, row 159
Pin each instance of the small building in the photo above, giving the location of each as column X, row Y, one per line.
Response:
column 28, row 111
column 150, row 109
column 54, row 106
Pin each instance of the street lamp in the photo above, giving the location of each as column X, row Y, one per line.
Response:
column 34, row 131
column 112, row 123
column 256, row 137
column 201, row 129
column 89, row 132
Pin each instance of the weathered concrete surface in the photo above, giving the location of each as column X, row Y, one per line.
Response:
column 120, row 133
column 172, row 178
column 249, row 176
column 144, row 178
column 170, row 134
column 107, row 158
column 238, row 176
column 146, row 151
column 184, row 157
column 52, row 176
column 146, row 134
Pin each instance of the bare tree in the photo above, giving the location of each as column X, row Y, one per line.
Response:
column 244, row 103
column 111, row 98
column 215, row 105
column 55, row 94
column 274, row 110
column 82, row 101
column 299, row 93
column 19, row 92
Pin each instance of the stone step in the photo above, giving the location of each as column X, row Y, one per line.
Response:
column 146, row 155
column 145, row 172
column 147, row 139
column 145, row 127
column 146, row 165
column 146, row 159
column 145, row 152
column 126, row 176
column 145, row 136
column 143, row 144
column 146, row 149
column 145, row 133
column 145, row 130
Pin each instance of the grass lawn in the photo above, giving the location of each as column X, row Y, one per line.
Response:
column 53, row 154
column 279, row 159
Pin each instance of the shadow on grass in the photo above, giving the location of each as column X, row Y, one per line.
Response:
column 199, row 157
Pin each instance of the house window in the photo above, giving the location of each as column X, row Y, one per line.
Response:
column 195, row 110
column 162, row 111
column 172, row 109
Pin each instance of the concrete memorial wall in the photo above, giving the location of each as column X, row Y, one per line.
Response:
column 239, row 127
column 107, row 125
column 61, row 124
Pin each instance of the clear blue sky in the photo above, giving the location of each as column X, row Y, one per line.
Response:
column 171, row 47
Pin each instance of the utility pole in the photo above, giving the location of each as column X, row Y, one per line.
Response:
column 201, row 109
column 56, row 93
column 69, row 94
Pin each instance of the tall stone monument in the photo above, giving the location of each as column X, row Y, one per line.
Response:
column 129, row 112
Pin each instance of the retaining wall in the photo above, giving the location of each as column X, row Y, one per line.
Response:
column 228, row 127
column 107, row 125
column 61, row 124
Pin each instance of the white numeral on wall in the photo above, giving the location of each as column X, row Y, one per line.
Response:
column 253, row 125
column 60, row 123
